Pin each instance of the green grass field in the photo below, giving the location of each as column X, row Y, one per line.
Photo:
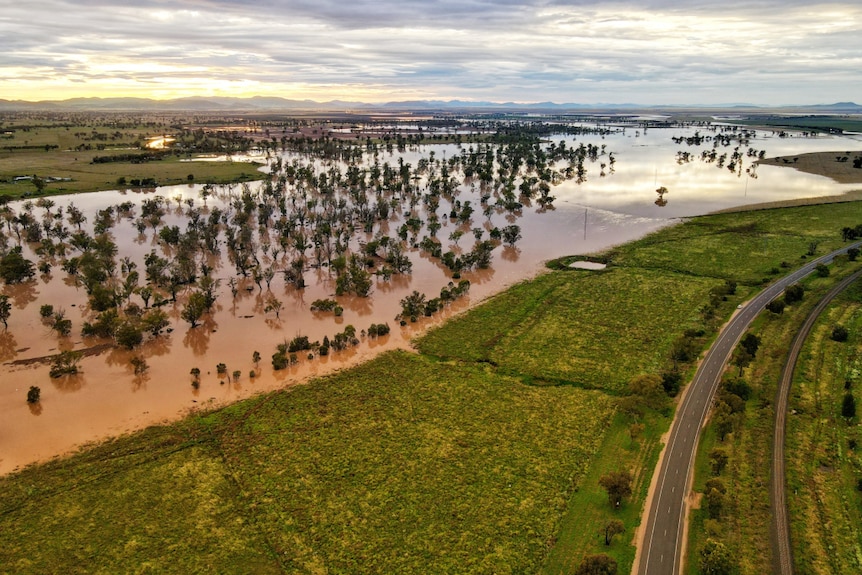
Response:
column 479, row 455
column 396, row 466
column 565, row 328
column 816, row 123
column 66, row 152
column 823, row 466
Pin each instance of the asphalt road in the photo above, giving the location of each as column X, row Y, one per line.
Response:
column 665, row 520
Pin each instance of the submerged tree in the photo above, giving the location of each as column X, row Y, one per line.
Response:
column 65, row 363
column 5, row 310
column 194, row 308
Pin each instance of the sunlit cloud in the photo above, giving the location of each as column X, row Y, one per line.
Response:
column 649, row 52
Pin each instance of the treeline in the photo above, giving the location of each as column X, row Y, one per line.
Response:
column 133, row 158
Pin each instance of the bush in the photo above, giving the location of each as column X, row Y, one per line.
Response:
column 715, row 558
column 776, row 306
column 793, row 293
column 848, row 406
column 279, row 360
column 299, row 343
column 737, row 386
column 34, row 394
column 597, row 565
column 128, row 335
column 670, row 381
column 323, row 305
column 65, row 363
column 46, row 311
column 840, row 333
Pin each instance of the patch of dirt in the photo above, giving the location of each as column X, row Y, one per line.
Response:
column 829, row 164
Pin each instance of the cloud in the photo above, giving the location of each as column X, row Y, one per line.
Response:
column 653, row 51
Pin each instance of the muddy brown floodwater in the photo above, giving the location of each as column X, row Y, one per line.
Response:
column 107, row 399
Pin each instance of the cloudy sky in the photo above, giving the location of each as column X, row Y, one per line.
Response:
column 767, row 52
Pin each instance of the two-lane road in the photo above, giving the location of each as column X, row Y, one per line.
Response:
column 663, row 535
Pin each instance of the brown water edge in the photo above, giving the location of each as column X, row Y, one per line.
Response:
column 107, row 399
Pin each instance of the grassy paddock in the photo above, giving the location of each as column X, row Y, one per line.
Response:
column 88, row 177
column 590, row 330
column 397, row 466
column 589, row 510
column 823, row 468
column 56, row 150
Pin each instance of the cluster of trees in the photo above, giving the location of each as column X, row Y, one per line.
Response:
column 417, row 304
column 725, row 137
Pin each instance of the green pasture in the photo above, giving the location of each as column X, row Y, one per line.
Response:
column 593, row 330
column 55, row 152
column 824, row 467
column 397, row 466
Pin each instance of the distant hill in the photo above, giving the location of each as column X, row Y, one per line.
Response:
column 837, row 108
column 264, row 103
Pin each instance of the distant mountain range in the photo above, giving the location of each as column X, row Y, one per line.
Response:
column 275, row 104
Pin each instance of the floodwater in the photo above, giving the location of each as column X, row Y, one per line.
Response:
column 107, row 398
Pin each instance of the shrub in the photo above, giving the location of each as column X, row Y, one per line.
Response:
column 128, row 335
column 839, row 333
column 597, row 565
column 299, row 343
column 670, row 381
column 848, row 406
column 65, row 363
column 34, row 394
column 793, row 293
column 776, row 306
column 279, row 360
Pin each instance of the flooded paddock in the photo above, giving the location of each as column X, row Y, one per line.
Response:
column 612, row 203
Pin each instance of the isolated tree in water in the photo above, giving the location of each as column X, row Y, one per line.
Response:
column 195, row 308
column 5, row 310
